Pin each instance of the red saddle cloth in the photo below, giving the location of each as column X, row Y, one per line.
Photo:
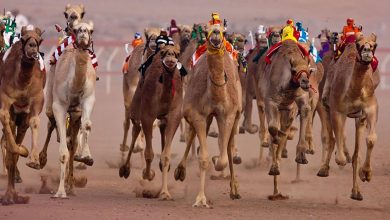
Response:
column 276, row 47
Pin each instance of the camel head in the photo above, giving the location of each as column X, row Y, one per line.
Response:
column 215, row 36
column 261, row 40
column 185, row 33
column 324, row 36
column 31, row 40
column 170, row 57
column 151, row 35
column 238, row 41
column 83, row 32
column 366, row 47
column 301, row 72
column 275, row 35
column 73, row 14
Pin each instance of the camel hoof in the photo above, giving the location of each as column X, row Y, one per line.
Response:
column 60, row 195
column 124, row 171
column 252, row 129
column 218, row 166
column 324, row 171
column 180, row 173
column 86, row 160
column 284, row 153
column 213, row 134
column 8, row 199
column 18, row 179
column 234, row 190
column 241, row 130
column 365, row 175
column 278, row 197
column 160, row 165
column 265, row 144
column 274, row 171
column 200, row 202
column 42, row 159
column 23, row 151
column 349, row 159
column 235, row 196
column 148, row 176
column 33, row 165
column 356, row 196
column 301, row 158
column 165, row 196
column 237, row 160
column 124, row 147
column 310, row 151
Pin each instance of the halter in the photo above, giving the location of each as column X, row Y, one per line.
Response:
column 296, row 76
column 219, row 85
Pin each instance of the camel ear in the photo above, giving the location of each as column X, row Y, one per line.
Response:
column 66, row 15
column 67, row 7
column 24, row 30
column 83, row 10
column 373, row 37
column 90, row 23
column 38, row 31
column 146, row 30
column 359, row 36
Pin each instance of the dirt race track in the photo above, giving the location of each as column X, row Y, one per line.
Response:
column 106, row 196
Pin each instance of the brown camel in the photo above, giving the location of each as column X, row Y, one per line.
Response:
column 22, row 81
column 257, row 75
column 214, row 90
column 352, row 94
column 130, row 80
column 158, row 96
column 286, row 81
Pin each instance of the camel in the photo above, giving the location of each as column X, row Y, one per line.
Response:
column 214, row 90
column 256, row 75
column 283, row 84
column 130, row 80
column 158, row 96
column 22, row 82
column 352, row 94
column 74, row 94
column 73, row 15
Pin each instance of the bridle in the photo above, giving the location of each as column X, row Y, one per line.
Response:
column 296, row 76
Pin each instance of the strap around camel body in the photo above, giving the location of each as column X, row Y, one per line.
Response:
column 65, row 43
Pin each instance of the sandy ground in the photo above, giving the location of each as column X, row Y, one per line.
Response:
column 106, row 196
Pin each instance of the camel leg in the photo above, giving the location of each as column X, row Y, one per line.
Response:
column 263, row 133
column 74, row 133
column 174, row 120
column 365, row 172
column 3, row 151
column 147, row 126
column 233, row 182
column 5, row 120
column 182, row 131
column 20, row 134
column 328, row 142
column 34, row 157
column 124, row 170
column 126, row 127
column 180, row 172
column 86, row 126
column 338, row 125
column 324, row 118
column 225, row 126
column 304, row 109
column 11, row 197
column 273, row 116
column 309, row 131
column 60, row 116
column 200, row 125
column 51, row 125
column 359, row 124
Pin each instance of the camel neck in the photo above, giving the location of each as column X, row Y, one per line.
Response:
column 25, row 73
column 81, row 68
column 217, row 76
column 168, row 86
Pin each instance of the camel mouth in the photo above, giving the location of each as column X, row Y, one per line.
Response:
column 170, row 64
column 216, row 43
